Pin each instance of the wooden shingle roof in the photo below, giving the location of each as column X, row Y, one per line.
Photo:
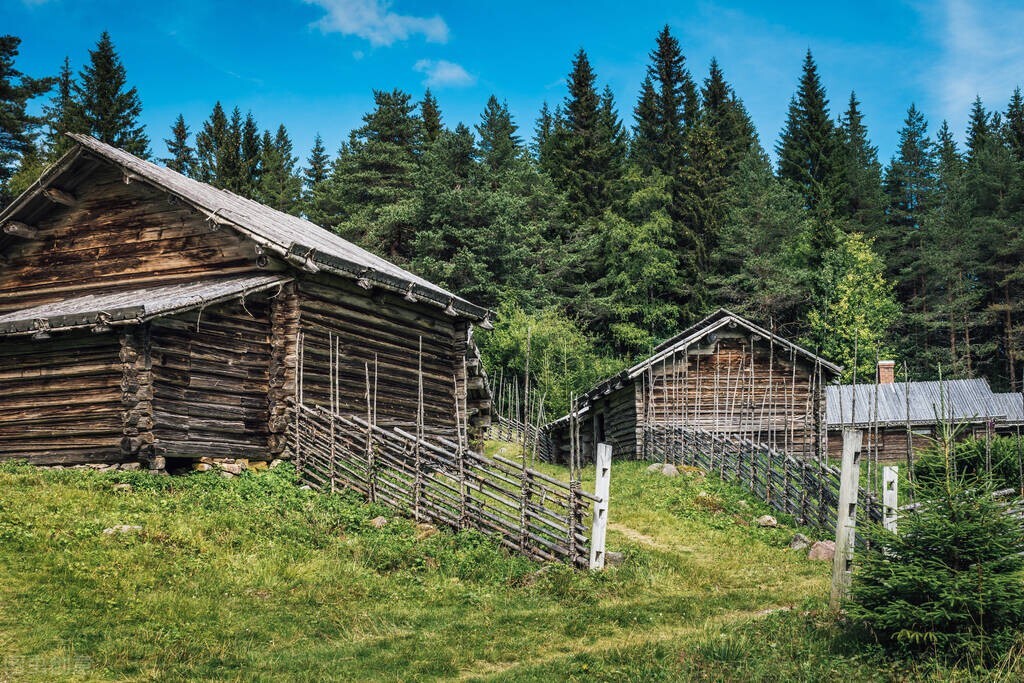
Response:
column 303, row 244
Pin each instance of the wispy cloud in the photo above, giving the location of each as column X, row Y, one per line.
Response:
column 374, row 21
column 441, row 73
column 983, row 55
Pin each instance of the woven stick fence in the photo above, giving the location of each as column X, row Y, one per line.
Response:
column 511, row 430
column 437, row 481
column 806, row 489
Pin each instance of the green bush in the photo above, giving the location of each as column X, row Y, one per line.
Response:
column 968, row 458
column 951, row 582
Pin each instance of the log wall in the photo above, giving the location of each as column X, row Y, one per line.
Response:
column 60, row 399
column 211, row 381
column 117, row 235
column 385, row 330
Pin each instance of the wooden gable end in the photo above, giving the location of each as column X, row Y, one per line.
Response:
column 106, row 234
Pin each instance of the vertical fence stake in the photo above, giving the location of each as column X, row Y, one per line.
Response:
column 602, row 486
column 890, row 496
column 846, row 520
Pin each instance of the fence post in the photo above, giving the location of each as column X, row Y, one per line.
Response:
column 602, row 487
column 890, row 496
column 846, row 519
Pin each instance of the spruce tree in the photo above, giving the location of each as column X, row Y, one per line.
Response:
column 317, row 169
column 724, row 113
column 210, row 143
column 109, row 109
column 250, row 157
column 18, row 128
column 644, row 144
column 280, row 187
column 807, row 146
column 430, row 114
column 859, row 196
column 63, row 114
column 1013, row 125
column 369, row 197
column 499, row 144
column 182, row 156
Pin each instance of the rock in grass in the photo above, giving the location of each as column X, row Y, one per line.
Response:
column 767, row 521
column 669, row 470
column 823, row 551
column 654, row 467
column 130, row 466
column 122, row 529
column 614, row 559
column 378, row 522
column 799, row 542
column 276, row 462
column 234, row 468
column 123, row 487
column 423, row 531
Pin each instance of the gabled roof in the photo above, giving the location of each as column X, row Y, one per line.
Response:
column 300, row 242
column 720, row 319
column 957, row 400
column 135, row 305
column 1011, row 406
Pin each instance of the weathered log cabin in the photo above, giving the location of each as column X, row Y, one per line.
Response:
column 145, row 316
column 724, row 375
column 900, row 418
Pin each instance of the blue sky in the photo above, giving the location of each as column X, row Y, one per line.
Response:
column 312, row 64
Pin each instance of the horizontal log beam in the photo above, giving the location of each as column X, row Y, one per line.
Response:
column 60, row 196
column 19, row 229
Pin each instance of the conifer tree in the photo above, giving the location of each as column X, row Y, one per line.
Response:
column 316, row 171
column 369, row 197
column 18, row 128
column 860, row 196
column 430, row 114
column 250, row 157
column 725, row 115
column 63, row 114
column 644, row 144
column 182, row 156
column 210, row 143
column 499, row 144
column 1013, row 125
column 280, row 187
column 807, row 146
column 109, row 109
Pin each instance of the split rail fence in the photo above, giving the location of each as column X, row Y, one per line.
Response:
column 437, row 481
column 533, row 439
column 806, row 489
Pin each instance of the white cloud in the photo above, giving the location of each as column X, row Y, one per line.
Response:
column 441, row 73
column 983, row 56
column 374, row 21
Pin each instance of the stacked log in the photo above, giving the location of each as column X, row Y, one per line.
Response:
column 137, row 398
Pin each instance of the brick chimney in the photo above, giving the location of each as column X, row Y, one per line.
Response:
column 886, row 372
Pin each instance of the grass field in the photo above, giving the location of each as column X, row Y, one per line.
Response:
column 254, row 579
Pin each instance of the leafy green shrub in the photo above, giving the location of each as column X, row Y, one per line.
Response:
column 951, row 582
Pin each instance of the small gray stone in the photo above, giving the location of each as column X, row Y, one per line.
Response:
column 799, row 542
column 654, row 467
column 767, row 521
column 614, row 559
column 305, row 487
column 122, row 529
column 378, row 522
column 824, row 551
column 130, row 466
column 123, row 487
column 232, row 467
column 669, row 470
column 158, row 463
column 275, row 462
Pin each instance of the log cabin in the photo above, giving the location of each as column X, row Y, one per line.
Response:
column 148, row 317
column 901, row 418
column 724, row 374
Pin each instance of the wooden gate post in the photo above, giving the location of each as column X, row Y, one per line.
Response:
column 602, row 487
column 890, row 496
column 846, row 519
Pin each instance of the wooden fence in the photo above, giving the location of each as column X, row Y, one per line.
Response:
column 806, row 489
column 532, row 438
column 437, row 481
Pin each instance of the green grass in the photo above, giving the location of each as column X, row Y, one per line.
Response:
column 255, row 579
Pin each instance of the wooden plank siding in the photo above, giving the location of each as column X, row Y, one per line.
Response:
column 385, row 330
column 211, row 376
column 117, row 236
column 60, row 399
